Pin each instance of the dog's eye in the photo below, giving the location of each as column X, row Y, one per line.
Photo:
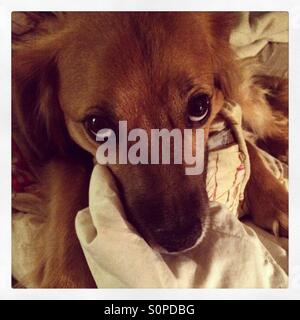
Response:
column 97, row 127
column 199, row 107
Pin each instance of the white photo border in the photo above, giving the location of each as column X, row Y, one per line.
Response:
column 292, row 6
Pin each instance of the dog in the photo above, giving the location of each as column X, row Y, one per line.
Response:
column 74, row 73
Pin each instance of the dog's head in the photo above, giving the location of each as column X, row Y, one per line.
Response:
column 77, row 73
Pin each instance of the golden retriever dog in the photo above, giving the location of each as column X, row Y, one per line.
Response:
column 75, row 73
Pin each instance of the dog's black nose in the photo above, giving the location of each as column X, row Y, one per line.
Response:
column 179, row 238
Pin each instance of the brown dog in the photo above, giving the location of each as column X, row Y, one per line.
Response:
column 76, row 73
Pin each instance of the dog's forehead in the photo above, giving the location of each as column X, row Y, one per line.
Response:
column 130, row 51
column 127, row 37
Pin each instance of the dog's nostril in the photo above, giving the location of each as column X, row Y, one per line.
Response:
column 178, row 229
column 178, row 239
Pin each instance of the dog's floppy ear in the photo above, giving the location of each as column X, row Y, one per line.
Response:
column 227, row 69
column 223, row 23
column 37, row 116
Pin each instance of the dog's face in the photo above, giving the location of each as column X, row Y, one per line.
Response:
column 154, row 70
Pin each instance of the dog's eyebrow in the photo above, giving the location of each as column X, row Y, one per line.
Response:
column 190, row 86
column 103, row 110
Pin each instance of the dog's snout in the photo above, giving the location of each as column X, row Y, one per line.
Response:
column 179, row 238
column 172, row 226
column 168, row 209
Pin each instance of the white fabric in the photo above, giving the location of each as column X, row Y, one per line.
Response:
column 228, row 168
column 230, row 254
column 256, row 30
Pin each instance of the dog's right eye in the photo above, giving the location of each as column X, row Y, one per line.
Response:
column 97, row 127
column 199, row 107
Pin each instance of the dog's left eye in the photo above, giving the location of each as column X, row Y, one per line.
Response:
column 199, row 107
column 97, row 127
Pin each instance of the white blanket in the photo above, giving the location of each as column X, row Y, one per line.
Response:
column 229, row 255
column 257, row 29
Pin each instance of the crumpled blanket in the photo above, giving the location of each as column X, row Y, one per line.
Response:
column 256, row 30
column 229, row 255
